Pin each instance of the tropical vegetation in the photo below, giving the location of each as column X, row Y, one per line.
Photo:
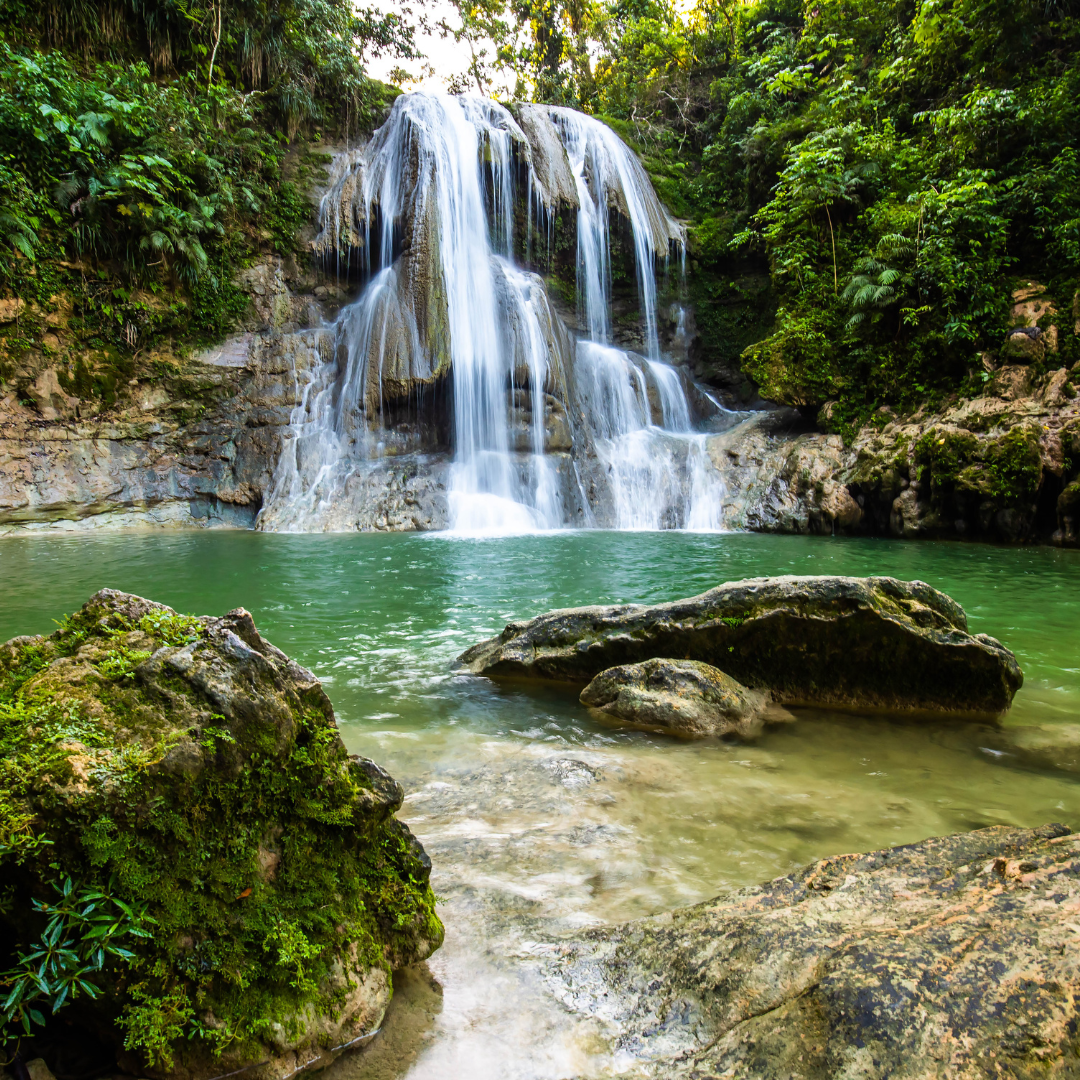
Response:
column 149, row 149
column 867, row 181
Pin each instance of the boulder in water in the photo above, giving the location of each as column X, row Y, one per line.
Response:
column 685, row 698
column 951, row 957
column 864, row 643
column 192, row 774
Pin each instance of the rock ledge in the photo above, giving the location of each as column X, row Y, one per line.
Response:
column 955, row 957
column 865, row 643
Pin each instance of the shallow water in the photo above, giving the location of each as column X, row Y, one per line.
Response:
column 538, row 819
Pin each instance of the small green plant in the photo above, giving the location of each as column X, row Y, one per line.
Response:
column 293, row 950
column 211, row 735
column 155, row 1021
column 172, row 628
column 121, row 663
column 82, row 935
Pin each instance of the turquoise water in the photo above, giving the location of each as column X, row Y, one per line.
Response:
column 538, row 819
column 403, row 603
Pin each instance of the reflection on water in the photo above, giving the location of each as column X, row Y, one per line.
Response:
column 539, row 820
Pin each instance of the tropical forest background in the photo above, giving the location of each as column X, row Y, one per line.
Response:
column 866, row 182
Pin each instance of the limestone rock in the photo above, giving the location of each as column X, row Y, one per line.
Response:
column 677, row 697
column 951, row 957
column 866, row 643
column 988, row 467
column 547, row 156
column 195, row 446
column 273, row 305
column 11, row 307
column 50, row 398
column 1030, row 304
column 1024, row 346
column 190, row 766
column 838, row 505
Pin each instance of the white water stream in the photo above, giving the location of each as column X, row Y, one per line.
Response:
column 427, row 208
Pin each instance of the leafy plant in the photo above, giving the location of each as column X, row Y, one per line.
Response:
column 82, row 935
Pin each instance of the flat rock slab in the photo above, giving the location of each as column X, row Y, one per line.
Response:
column 867, row 643
column 956, row 957
column 685, row 698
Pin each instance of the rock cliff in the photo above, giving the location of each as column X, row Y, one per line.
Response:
column 998, row 467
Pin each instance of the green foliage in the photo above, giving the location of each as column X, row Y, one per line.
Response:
column 82, row 935
column 302, row 58
column 172, row 627
column 153, row 1023
column 894, row 166
column 147, row 154
column 144, row 174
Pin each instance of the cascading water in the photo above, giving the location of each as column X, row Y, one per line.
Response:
column 544, row 431
column 606, row 172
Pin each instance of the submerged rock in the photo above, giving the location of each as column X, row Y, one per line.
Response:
column 678, row 697
column 190, row 770
column 867, row 643
column 951, row 957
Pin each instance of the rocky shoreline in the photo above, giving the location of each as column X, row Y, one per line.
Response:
column 193, row 775
column 197, row 448
column 954, row 957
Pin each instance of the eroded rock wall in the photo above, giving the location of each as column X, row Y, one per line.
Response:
column 193, row 445
column 1001, row 467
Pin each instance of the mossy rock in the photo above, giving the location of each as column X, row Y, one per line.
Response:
column 866, row 643
column 1005, row 467
column 191, row 770
column 1068, row 503
column 684, row 698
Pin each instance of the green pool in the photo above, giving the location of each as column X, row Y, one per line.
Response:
column 538, row 819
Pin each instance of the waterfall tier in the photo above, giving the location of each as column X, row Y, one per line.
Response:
column 455, row 357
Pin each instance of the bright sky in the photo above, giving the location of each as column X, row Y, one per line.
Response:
column 444, row 57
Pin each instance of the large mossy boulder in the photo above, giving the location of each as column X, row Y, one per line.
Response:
column 954, row 957
column 866, row 643
column 193, row 775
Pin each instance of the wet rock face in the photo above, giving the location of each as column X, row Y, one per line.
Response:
column 951, row 957
column 190, row 768
column 866, row 643
column 685, row 698
column 992, row 468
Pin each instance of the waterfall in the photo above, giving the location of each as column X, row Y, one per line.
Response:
column 605, row 172
column 544, row 431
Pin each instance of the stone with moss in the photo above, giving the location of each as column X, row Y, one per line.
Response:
column 191, row 773
column 865, row 643
column 684, row 698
